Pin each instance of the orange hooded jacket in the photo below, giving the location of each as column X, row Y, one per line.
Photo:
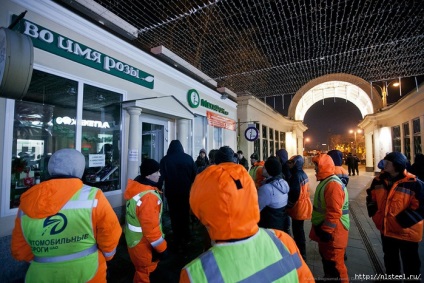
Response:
column 147, row 213
column 334, row 199
column 224, row 198
column 392, row 202
column 47, row 199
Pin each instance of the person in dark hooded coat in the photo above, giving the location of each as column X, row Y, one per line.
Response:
column 418, row 167
column 283, row 156
column 178, row 171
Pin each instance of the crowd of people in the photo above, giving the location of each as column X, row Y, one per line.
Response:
column 240, row 208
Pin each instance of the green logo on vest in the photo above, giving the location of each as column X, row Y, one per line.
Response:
column 56, row 224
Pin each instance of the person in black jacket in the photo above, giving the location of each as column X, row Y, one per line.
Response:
column 350, row 162
column 242, row 160
column 178, row 172
column 202, row 161
column 418, row 167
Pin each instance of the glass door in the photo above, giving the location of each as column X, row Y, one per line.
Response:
column 152, row 141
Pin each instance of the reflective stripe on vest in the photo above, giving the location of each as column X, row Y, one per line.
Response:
column 61, row 258
column 134, row 228
column 273, row 272
column 83, row 201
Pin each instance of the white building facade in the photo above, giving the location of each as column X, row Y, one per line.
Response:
column 98, row 94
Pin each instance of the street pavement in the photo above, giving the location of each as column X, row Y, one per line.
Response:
column 364, row 251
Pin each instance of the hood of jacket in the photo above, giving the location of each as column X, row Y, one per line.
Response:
column 337, row 157
column 49, row 197
column 283, row 155
column 298, row 162
column 225, row 200
column 325, row 165
column 175, row 147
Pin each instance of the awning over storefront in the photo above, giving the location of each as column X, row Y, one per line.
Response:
column 165, row 106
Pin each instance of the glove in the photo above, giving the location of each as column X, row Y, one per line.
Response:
column 371, row 206
column 156, row 256
column 322, row 235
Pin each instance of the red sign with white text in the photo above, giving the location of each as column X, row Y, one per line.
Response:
column 220, row 121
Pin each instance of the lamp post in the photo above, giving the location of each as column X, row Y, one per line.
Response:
column 384, row 89
column 354, row 133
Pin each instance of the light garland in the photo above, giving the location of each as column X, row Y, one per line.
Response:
column 273, row 48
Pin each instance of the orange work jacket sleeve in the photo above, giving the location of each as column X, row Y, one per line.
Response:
column 107, row 229
column 334, row 199
column 19, row 247
column 148, row 215
column 303, row 272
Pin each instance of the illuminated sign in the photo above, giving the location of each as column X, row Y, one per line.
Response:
column 85, row 123
column 194, row 101
column 219, row 121
column 67, row 48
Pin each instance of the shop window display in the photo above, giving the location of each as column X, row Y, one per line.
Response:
column 46, row 121
column 101, row 137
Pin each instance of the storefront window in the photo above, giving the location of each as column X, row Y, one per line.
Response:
column 264, row 142
column 200, row 126
column 396, row 138
column 417, row 136
column 100, row 143
column 282, row 140
column 217, row 137
column 257, row 143
column 46, row 121
column 37, row 133
column 406, row 141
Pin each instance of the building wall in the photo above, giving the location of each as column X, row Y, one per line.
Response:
column 252, row 109
column 380, row 125
column 168, row 81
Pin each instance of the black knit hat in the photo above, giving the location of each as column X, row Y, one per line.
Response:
column 254, row 156
column 224, row 154
column 273, row 166
column 398, row 159
column 148, row 167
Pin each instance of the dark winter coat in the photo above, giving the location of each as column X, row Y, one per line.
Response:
column 418, row 167
column 284, row 156
column 178, row 170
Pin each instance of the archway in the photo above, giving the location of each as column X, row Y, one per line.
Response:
column 349, row 87
column 345, row 86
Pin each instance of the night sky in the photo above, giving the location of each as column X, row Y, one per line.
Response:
column 334, row 117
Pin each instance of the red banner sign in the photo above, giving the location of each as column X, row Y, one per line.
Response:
column 220, row 121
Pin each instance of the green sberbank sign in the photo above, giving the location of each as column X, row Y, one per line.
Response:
column 194, row 101
column 62, row 46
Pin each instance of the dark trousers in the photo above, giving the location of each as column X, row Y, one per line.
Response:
column 179, row 212
column 299, row 236
column 351, row 170
column 396, row 250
